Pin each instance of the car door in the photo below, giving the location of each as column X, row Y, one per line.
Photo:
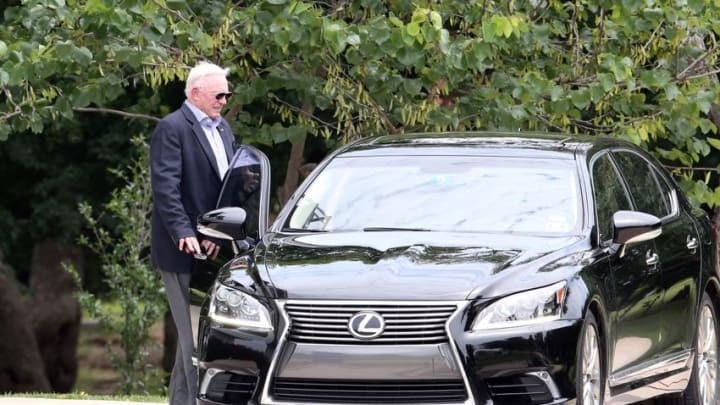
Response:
column 633, row 308
column 246, row 185
column 677, row 247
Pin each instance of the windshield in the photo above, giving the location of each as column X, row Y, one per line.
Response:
column 441, row 193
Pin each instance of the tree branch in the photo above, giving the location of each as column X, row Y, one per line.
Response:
column 710, row 73
column 302, row 112
column 116, row 112
column 7, row 116
column 691, row 66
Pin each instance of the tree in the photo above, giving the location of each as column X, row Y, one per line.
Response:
column 345, row 69
column 342, row 69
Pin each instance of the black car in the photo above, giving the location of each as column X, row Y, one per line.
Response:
column 461, row 268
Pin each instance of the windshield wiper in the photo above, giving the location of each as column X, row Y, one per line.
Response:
column 392, row 229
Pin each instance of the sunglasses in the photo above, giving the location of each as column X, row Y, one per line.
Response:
column 220, row 96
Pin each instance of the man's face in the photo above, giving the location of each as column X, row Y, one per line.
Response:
column 204, row 94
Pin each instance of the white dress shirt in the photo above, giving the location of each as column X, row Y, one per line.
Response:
column 210, row 127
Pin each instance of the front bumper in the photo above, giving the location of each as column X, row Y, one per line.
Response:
column 529, row 366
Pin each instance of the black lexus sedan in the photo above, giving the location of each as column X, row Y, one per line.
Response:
column 459, row 269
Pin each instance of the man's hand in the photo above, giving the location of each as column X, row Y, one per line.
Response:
column 210, row 248
column 191, row 246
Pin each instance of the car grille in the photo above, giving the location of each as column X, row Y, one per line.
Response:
column 404, row 323
column 231, row 388
column 368, row 391
column 519, row 390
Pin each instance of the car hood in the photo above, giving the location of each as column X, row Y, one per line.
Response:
column 410, row 265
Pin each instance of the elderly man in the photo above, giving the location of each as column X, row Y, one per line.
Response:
column 189, row 154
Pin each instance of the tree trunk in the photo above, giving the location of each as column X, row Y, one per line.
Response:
column 55, row 312
column 294, row 167
column 21, row 366
column 292, row 175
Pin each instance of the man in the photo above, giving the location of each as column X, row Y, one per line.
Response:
column 189, row 154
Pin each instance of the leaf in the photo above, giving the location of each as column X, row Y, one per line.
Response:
column 696, row 6
column 503, row 26
column 3, row 49
column 412, row 86
column 395, row 21
column 705, row 101
column 488, row 29
column 82, row 55
column 672, row 92
column 409, row 56
column 335, row 35
column 653, row 14
column 4, row 131
column 278, row 133
column 4, row 78
column 413, row 29
column 282, row 38
column 353, row 39
column 714, row 142
column 657, row 78
column 556, row 93
column 296, row 134
column 436, row 19
column 580, row 98
column 419, row 16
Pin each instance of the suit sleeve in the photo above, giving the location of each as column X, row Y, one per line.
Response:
column 166, row 174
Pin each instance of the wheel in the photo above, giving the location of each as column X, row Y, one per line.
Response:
column 590, row 379
column 703, row 386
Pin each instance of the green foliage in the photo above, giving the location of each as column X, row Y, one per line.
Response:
column 134, row 286
column 643, row 71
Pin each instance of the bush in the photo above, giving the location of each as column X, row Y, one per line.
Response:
column 133, row 285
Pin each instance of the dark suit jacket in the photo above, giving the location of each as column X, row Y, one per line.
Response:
column 185, row 184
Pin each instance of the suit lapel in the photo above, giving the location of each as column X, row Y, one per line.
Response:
column 201, row 138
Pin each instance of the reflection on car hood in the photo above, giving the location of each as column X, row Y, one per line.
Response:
column 409, row 265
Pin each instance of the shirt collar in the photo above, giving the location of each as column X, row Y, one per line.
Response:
column 202, row 118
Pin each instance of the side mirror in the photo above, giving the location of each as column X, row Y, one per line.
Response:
column 223, row 223
column 635, row 226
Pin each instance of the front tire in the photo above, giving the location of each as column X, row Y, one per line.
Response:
column 590, row 368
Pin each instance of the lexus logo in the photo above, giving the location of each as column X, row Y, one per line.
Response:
column 366, row 325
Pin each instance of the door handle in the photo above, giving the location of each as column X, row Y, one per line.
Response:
column 651, row 258
column 692, row 243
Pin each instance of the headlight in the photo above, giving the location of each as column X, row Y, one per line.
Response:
column 232, row 307
column 528, row 307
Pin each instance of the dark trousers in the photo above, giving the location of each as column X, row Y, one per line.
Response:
column 183, row 379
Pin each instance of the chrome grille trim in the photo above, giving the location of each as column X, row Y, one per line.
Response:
column 266, row 398
column 405, row 322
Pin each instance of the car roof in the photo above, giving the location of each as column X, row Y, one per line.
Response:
column 546, row 145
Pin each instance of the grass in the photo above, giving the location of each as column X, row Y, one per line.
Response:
column 85, row 396
column 96, row 374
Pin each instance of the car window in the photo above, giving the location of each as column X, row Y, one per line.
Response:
column 441, row 193
column 665, row 190
column 242, row 188
column 643, row 184
column 610, row 195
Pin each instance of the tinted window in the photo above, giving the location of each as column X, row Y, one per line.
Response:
column 441, row 193
column 242, row 188
column 643, row 184
column 609, row 193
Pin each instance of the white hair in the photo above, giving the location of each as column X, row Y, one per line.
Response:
column 201, row 70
